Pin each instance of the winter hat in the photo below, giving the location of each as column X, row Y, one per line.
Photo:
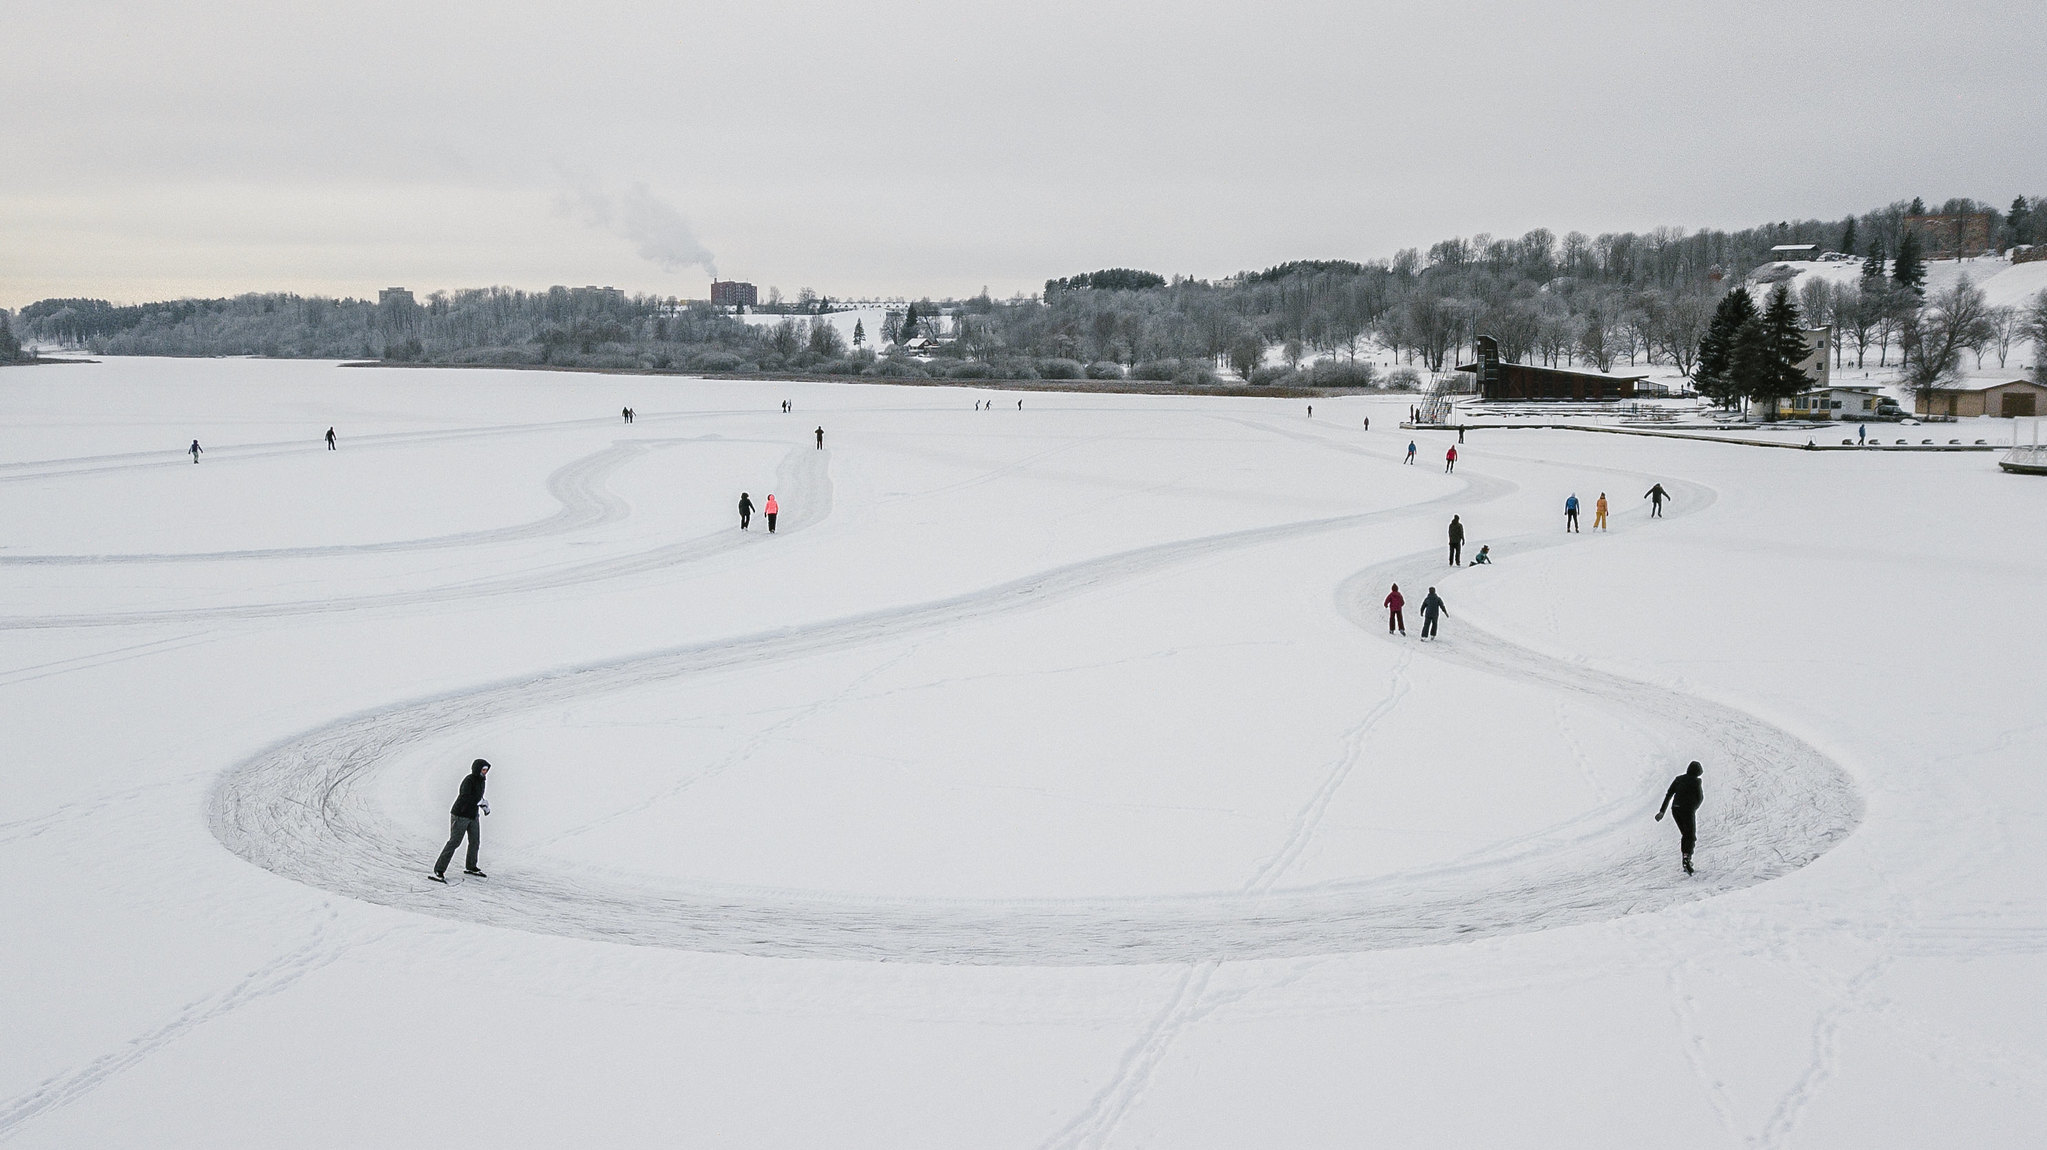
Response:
column 479, row 765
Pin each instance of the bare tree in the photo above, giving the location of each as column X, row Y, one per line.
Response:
column 2004, row 331
column 2033, row 326
column 1939, row 333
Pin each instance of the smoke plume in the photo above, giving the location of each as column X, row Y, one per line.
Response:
column 656, row 228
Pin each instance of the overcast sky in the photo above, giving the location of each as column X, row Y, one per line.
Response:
column 156, row 150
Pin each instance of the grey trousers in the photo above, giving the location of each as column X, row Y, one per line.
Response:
column 457, row 827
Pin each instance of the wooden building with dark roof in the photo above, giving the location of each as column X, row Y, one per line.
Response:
column 1521, row 381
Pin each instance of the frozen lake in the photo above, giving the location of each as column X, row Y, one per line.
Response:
column 1048, row 779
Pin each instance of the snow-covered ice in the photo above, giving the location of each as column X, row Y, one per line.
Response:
column 1047, row 780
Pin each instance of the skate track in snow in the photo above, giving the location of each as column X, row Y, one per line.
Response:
column 302, row 810
column 803, row 473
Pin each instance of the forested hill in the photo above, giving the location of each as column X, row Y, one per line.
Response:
column 1626, row 296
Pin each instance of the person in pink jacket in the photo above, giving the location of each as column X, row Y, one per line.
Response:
column 771, row 509
column 1394, row 602
column 1450, row 459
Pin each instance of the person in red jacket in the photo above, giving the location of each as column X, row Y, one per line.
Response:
column 771, row 509
column 1394, row 602
column 1450, row 460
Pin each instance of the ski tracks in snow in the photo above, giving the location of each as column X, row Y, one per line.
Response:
column 272, row 977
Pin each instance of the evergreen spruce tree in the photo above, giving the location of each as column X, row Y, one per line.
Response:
column 10, row 347
column 1909, row 269
column 1767, row 351
column 1714, row 375
column 1873, row 267
column 1848, row 236
column 2015, row 220
column 908, row 331
column 859, row 334
column 1918, row 207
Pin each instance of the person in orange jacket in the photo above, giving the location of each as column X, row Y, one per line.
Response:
column 1599, row 512
column 1394, row 602
column 771, row 509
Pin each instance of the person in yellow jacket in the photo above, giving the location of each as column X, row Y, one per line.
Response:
column 1599, row 512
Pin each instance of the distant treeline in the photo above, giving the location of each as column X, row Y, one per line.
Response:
column 1594, row 300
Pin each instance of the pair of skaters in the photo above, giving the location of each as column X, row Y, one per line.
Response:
column 770, row 509
column 627, row 414
column 1449, row 457
column 1681, row 801
column 1485, row 552
column 1432, row 608
column 1655, row 495
column 195, row 451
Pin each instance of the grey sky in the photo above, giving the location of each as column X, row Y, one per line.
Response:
column 153, row 150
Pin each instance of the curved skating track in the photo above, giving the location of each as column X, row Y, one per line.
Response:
column 302, row 809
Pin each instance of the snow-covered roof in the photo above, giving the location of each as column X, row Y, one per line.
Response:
column 1988, row 384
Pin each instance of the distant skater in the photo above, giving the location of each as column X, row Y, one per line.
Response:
column 463, row 818
column 770, row 509
column 1599, row 512
column 196, row 450
column 1460, row 435
column 820, row 439
column 1484, row 556
column 1682, row 801
column 1656, row 495
column 1432, row 606
column 1450, row 460
column 1394, row 602
column 1368, row 423
column 1410, row 452
column 1311, row 411
column 625, row 415
column 330, row 439
column 1571, row 513
column 1861, row 434
column 1019, row 405
column 745, row 510
column 1456, row 542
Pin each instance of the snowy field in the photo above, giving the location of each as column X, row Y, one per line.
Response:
column 1048, row 779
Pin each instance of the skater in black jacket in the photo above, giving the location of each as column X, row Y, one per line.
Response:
column 1456, row 542
column 1682, row 801
column 1656, row 495
column 463, row 818
column 330, row 439
column 1432, row 606
column 745, row 510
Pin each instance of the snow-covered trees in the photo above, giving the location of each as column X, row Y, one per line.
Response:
column 1937, row 335
column 2033, row 326
column 1716, row 375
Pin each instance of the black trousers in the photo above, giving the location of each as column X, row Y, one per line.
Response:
column 1656, row 509
column 745, row 517
column 457, row 828
column 1428, row 624
column 771, row 522
column 1394, row 620
column 1456, row 554
column 1687, row 826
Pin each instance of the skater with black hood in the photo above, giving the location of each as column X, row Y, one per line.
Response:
column 1432, row 606
column 1682, row 801
column 463, row 818
column 1456, row 542
column 745, row 510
